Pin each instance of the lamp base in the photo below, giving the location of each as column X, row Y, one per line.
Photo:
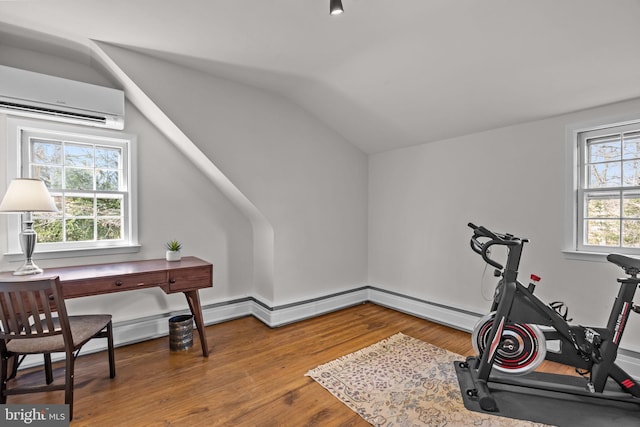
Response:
column 27, row 268
column 28, row 239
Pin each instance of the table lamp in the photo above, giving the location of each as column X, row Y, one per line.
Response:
column 25, row 196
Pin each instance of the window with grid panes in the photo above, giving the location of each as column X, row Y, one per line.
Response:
column 609, row 189
column 89, row 177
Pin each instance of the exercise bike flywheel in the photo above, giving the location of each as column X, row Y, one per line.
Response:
column 522, row 347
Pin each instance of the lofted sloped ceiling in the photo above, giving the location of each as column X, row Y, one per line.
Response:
column 386, row 73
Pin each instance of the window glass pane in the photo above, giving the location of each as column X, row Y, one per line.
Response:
column 109, row 206
column 57, row 199
column 631, row 170
column 45, row 152
column 631, row 145
column 49, row 230
column 78, row 206
column 48, row 225
column 51, row 175
column 107, row 157
column 79, row 229
column 604, row 149
column 107, row 180
column 631, row 205
column 602, row 232
column 109, row 229
column 78, row 179
column 603, row 205
column 78, row 155
column 631, row 233
column 605, row 175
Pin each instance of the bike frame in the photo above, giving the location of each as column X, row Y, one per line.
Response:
column 516, row 304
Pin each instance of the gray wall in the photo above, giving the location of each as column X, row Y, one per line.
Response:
column 511, row 179
column 308, row 182
column 396, row 220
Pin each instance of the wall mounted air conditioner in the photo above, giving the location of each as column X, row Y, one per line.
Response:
column 26, row 93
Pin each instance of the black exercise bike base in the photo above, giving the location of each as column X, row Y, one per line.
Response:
column 549, row 407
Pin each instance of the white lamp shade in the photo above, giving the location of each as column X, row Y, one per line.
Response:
column 27, row 195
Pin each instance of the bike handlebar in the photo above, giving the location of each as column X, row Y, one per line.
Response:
column 482, row 248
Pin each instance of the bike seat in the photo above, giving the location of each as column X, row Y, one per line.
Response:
column 630, row 265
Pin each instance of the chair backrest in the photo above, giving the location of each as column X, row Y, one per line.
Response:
column 32, row 308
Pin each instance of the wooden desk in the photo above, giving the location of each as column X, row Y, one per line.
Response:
column 186, row 276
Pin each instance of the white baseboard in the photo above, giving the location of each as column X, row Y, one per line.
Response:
column 438, row 313
column 630, row 362
column 278, row 316
column 158, row 326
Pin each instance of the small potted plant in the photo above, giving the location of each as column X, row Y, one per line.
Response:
column 173, row 250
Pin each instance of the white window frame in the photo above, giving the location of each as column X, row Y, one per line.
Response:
column 574, row 248
column 16, row 127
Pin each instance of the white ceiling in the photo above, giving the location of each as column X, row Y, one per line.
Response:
column 386, row 73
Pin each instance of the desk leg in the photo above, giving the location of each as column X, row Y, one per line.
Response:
column 196, row 309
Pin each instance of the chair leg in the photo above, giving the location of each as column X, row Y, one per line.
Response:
column 4, row 374
column 15, row 363
column 68, row 384
column 112, row 359
column 48, row 370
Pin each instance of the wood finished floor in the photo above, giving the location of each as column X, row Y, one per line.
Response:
column 254, row 375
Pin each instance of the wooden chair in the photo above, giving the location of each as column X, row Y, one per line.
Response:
column 34, row 320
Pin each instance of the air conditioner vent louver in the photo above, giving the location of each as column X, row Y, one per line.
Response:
column 19, row 107
column 31, row 94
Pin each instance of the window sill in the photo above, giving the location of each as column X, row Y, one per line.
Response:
column 73, row 253
column 590, row 256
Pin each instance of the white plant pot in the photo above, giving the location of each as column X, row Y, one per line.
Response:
column 173, row 255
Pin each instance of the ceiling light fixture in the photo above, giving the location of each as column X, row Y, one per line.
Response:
column 335, row 7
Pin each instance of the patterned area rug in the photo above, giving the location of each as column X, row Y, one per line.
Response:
column 402, row 381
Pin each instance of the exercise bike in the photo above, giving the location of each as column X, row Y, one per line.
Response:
column 511, row 341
